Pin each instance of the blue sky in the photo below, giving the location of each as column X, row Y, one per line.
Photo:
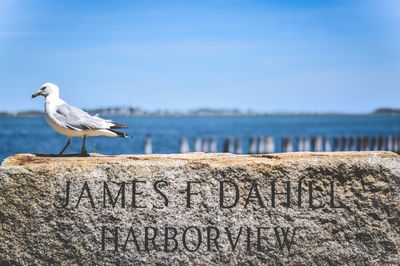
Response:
column 260, row 55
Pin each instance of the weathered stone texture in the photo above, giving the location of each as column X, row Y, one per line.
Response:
column 36, row 230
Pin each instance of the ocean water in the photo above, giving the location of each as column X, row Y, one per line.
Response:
column 33, row 135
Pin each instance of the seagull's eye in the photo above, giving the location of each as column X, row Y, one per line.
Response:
column 42, row 88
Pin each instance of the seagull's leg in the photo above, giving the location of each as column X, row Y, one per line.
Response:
column 65, row 147
column 83, row 150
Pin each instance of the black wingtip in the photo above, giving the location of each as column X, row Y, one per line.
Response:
column 120, row 134
column 118, row 126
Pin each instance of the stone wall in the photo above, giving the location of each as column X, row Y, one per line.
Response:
column 196, row 209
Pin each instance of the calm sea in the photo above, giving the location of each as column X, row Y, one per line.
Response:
column 33, row 135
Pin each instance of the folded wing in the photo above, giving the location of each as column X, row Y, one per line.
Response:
column 76, row 119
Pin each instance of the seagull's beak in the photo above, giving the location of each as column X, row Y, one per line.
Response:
column 36, row 94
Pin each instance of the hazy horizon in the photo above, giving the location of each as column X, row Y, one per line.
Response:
column 297, row 56
column 197, row 109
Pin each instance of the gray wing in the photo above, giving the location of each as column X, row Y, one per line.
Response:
column 76, row 119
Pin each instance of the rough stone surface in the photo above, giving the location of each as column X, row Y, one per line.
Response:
column 36, row 230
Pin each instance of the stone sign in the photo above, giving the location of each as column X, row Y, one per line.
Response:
column 196, row 209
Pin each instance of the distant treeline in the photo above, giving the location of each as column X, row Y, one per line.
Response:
column 22, row 113
column 387, row 111
column 134, row 111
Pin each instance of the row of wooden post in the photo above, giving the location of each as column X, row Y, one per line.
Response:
column 266, row 144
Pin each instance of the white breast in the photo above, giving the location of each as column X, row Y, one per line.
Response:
column 50, row 107
column 63, row 130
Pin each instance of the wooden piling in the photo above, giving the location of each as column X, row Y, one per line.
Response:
column 238, row 146
column 358, row 143
column 365, row 144
column 252, row 145
column 299, row 144
column 184, row 145
column 352, row 144
column 307, row 144
column 374, row 143
column 381, row 143
column 316, row 144
column 228, row 145
column 204, row 145
column 287, row 144
column 213, row 144
column 313, row 143
column 386, row 143
column 326, row 144
column 148, row 147
column 261, row 145
column 390, row 143
column 344, row 144
column 269, row 145
column 197, row 144
column 396, row 144
column 336, row 144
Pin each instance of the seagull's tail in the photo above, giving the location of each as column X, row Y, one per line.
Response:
column 119, row 134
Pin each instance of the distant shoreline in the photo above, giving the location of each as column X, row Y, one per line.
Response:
column 130, row 111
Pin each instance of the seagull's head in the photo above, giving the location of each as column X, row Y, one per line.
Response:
column 46, row 90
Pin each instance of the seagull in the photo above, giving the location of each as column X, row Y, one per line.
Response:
column 71, row 121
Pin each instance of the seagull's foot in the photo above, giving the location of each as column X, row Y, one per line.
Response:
column 84, row 153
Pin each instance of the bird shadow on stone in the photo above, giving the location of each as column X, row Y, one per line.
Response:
column 64, row 155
